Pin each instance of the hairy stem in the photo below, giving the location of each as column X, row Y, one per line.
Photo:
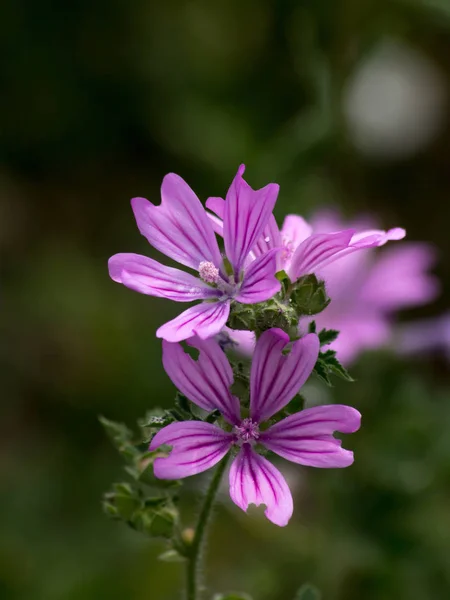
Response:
column 193, row 582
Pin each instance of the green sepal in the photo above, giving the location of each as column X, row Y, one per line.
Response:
column 121, row 503
column 308, row 592
column 309, row 296
column 282, row 276
column 157, row 523
column 242, row 316
column 264, row 315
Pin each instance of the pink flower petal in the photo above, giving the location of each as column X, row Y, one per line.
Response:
column 254, row 480
column 275, row 377
column 205, row 320
column 247, row 213
column 241, row 341
column 307, row 437
column 217, row 206
column 312, row 253
column 148, row 276
column 205, row 381
column 269, row 239
column 399, row 278
column 259, row 282
column 372, row 238
column 179, row 227
column 295, row 230
column 196, row 447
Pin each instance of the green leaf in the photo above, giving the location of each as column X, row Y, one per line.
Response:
column 308, row 592
column 121, row 437
column 334, row 366
column 184, row 407
column 321, row 371
column 312, row 327
column 327, row 364
column 327, row 336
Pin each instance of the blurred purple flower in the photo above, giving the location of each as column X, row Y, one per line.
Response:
column 425, row 336
column 366, row 290
column 181, row 229
column 305, row 437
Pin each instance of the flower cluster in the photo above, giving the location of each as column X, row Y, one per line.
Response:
column 264, row 288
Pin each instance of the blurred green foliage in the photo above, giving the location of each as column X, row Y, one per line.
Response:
column 101, row 99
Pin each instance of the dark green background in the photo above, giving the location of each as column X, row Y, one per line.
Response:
column 99, row 100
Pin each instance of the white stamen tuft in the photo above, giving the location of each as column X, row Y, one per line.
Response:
column 208, row 272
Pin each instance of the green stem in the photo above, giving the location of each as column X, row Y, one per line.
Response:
column 193, row 565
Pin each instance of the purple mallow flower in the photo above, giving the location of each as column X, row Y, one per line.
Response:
column 367, row 289
column 181, row 229
column 426, row 336
column 276, row 377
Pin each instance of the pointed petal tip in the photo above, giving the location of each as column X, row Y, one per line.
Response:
column 138, row 203
column 204, row 380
